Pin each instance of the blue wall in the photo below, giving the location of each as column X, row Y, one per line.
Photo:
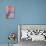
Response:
column 31, row 11
column 27, row 12
column 6, row 25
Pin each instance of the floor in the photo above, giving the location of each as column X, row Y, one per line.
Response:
column 7, row 45
column 30, row 43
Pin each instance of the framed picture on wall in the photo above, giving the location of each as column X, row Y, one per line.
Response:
column 10, row 12
column 33, row 32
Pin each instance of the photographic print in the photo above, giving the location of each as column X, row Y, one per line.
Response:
column 28, row 33
column 10, row 12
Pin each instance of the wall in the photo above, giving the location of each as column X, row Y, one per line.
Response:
column 27, row 12
column 31, row 11
column 6, row 25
